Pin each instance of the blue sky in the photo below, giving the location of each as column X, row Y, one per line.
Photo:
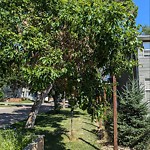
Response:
column 143, row 17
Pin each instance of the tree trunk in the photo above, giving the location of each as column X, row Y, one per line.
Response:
column 56, row 104
column 115, row 113
column 72, row 134
column 35, row 108
column 64, row 99
column 55, row 97
column 34, row 111
column 105, row 97
column 100, row 123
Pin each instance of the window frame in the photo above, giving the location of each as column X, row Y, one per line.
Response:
column 146, row 51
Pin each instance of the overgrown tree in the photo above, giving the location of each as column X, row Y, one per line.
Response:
column 107, row 32
column 76, row 41
column 26, row 39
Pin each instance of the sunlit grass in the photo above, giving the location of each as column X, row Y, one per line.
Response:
column 56, row 128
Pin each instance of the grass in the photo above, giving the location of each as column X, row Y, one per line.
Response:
column 56, row 128
column 2, row 105
column 26, row 101
column 10, row 104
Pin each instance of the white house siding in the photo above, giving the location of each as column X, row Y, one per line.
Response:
column 144, row 67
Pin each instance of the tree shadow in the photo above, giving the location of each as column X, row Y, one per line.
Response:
column 49, row 124
column 89, row 123
column 99, row 133
column 89, row 144
column 66, row 113
column 93, row 132
column 7, row 119
column 52, row 139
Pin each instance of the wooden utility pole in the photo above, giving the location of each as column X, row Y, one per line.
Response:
column 105, row 96
column 115, row 113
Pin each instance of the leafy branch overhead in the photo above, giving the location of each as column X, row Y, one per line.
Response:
column 71, row 44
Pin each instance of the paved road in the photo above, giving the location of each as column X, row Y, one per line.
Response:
column 10, row 115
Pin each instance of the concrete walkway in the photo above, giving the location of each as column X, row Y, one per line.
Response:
column 10, row 115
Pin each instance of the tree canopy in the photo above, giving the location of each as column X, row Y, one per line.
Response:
column 70, row 44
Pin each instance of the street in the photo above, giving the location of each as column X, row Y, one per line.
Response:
column 10, row 115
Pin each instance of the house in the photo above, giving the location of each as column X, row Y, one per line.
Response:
column 143, row 70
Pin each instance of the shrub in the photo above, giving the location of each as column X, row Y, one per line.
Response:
column 1, row 95
column 13, row 140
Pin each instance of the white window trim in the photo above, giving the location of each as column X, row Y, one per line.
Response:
column 146, row 50
column 146, row 89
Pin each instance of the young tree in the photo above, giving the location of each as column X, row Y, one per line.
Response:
column 133, row 113
column 133, row 119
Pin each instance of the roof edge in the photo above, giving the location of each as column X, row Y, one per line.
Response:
column 144, row 37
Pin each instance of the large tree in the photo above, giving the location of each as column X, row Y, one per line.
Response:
column 27, row 40
column 77, row 42
column 100, row 38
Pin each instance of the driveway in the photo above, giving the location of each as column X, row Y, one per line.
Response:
column 10, row 115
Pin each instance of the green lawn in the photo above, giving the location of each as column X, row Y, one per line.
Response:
column 56, row 128
column 10, row 104
column 2, row 105
column 26, row 101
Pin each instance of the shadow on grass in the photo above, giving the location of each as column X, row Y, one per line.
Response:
column 89, row 144
column 89, row 123
column 53, row 139
column 66, row 112
column 49, row 124
column 93, row 132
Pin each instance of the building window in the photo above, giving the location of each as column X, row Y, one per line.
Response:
column 147, row 84
column 146, row 51
column 147, row 96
